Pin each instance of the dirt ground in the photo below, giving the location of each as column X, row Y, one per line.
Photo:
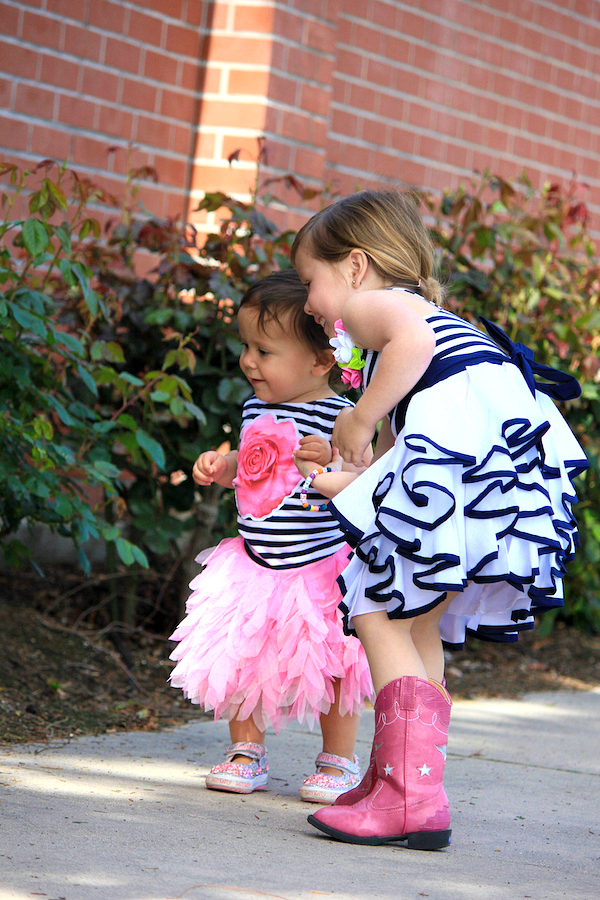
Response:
column 62, row 676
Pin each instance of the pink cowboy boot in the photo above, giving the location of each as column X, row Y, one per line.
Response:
column 348, row 798
column 407, row 801
column 361, row 790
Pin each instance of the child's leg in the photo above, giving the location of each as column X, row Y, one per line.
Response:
column 339, row 732
column 389, row 647
column 245, row 772
column 403, row 795
column 246, row 732
column 398, row 647
column 337, row 772
column 425, row 634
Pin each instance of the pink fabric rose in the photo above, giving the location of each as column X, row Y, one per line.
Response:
column 266, row 471
column 353, row 377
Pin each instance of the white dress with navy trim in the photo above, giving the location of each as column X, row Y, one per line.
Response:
column 475, row 496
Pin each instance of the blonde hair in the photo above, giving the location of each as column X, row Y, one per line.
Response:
column 387, row 226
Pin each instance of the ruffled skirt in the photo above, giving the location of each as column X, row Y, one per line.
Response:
column 475, row 496
column 268, row 643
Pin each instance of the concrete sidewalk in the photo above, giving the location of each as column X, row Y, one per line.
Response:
column 127, row 816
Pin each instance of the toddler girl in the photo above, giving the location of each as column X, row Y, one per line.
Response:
column 262, row 642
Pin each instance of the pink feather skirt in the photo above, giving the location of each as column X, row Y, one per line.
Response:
column 268, row 643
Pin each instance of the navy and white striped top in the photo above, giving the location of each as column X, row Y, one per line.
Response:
column 458, row 344
column 288, row 535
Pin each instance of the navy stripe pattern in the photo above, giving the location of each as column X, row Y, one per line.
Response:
column 292, row 536
column 458, row 344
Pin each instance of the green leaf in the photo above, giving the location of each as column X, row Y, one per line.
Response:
column 159, row 316
column 28, row 321
column 195, row 411
column 68, row 340
column 106, row 469
column 159, row 397
column 84, row 561
column 131, row 379
column 63, row 233
column 124, row 549
column 151, row 448
column 67, row 272
column 63, row 506
column 57, row 193
column 35, row 236
column 127, row 421
column 140, row 557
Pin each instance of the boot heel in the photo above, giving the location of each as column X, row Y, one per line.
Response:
column 428, row 840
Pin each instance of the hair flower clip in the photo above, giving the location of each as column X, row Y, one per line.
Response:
column 347, row 356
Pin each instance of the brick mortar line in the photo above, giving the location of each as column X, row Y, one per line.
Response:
column 41, row 49
column 110, row 139
column 397, row 94
column 132, row 7
column 469, row 117
column 429, row 163
column 432, row 17
column 276, row 38
column 460, row 143
column 487, row 67
column 93, row 98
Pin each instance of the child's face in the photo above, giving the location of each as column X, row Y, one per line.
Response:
column 329, row 285
column 280, row 367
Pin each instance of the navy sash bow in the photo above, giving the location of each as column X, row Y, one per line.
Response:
column 563, row 386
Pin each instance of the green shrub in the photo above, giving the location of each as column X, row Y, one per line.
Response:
column 124, row 379
column 54, row 451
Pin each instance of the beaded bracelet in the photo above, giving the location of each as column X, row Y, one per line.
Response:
column 307, row 483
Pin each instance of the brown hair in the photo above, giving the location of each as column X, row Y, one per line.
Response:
column 281, row 297
column 387, row 226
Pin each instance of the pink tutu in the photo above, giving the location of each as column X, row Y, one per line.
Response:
column 268, row 643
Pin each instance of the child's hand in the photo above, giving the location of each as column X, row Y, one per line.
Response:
column 305, row 467
column 209, row 467
column 352, row 438
column 314, row 449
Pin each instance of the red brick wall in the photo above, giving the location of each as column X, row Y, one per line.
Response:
column 78, row 77
column 432, row 91
column 346, row 93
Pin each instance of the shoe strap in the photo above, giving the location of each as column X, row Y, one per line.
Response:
column 349, row 766
column 252, row 751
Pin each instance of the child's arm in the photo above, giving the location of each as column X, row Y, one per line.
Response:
column 405, row 341
column 385, row 439
column 213, row 467
column 315, row 451
column 329, row 483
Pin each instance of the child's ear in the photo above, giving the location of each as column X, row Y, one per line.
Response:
column 324, row 362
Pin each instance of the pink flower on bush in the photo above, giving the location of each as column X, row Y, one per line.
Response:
column 266, row 471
